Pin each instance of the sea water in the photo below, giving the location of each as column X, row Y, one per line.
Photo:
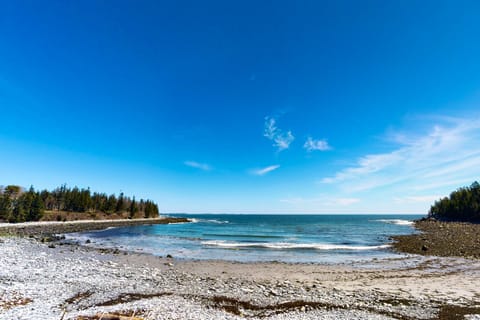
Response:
column 252, row 237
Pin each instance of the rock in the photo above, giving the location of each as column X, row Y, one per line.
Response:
column 424, row 248
column 116, row 317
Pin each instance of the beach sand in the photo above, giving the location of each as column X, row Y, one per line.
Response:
column 62, row 281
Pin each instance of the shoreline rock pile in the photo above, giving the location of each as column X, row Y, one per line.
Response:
column 50, row 227
column 444, row 239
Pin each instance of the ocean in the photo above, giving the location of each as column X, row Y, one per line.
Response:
column 253, row 237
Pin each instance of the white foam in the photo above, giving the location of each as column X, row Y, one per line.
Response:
column 217, row 221
column 286, row 245
column 195, row 220
column 399, row 222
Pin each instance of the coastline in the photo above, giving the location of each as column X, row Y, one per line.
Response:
column 57, row 227
column 444, row 239
column 74, row 282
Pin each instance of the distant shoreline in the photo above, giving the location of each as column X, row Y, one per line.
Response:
column 57, row 227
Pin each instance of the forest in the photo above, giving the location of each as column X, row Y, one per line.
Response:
column 462, row 205
column 20, row 205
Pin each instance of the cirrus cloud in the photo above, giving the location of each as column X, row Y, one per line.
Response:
column 281, row 140
column 314, row 145
column 448, row 155
column 198, row 165
column 264, row 171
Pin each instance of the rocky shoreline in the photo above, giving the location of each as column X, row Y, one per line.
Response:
column 47, row 228
column 444, row 239
column 68, row 281
column 38, row 281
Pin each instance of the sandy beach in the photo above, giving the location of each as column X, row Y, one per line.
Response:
column 64, row 281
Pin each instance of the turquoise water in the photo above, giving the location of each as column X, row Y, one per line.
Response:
column 288, row 238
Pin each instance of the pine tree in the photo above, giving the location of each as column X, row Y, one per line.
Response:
column 120, row 204
column 19, row 206
column 36, row 209
column 462, row 205
column 110, row 204
column 5, row 207
column 133, row 208
column 18, row 214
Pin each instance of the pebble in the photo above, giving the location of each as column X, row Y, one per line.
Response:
column 79, row 281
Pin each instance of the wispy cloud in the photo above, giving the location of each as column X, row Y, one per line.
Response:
column 264, row 171
column 447, row 154
column 281, row 140
column 198, row 165
column 314, row 145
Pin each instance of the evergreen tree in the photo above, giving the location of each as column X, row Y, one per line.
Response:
column 151, row 209
column 111, row 203
column 18, row 206
column 120, row 204
column 133, row 208
column 5, row 207
column 18, row 214
column 461, row 205
column 26, row 201
column 36, row 209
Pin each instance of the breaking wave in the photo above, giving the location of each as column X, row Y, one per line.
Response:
column 290, row 246
column 399, row 222
column 195, row 220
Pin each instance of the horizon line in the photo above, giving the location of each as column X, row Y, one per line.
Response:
column 290, row 213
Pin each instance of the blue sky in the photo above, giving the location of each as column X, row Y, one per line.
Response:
column 243, row 106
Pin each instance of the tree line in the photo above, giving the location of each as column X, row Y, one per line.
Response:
column 462, row 205
column 18, row 205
